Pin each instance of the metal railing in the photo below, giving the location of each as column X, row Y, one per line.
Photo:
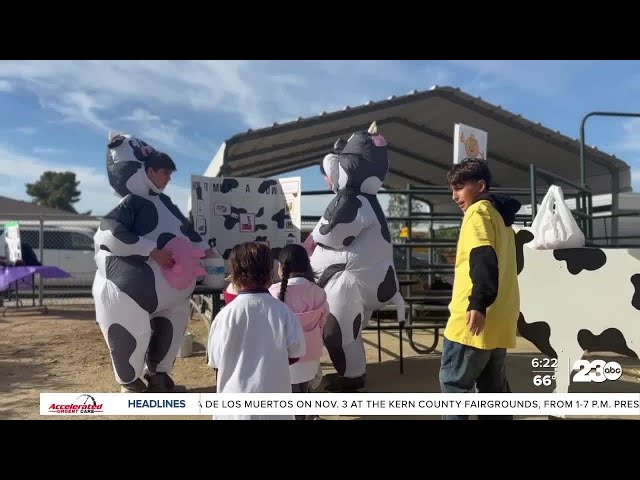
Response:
column 427, row 264
column 614, row 172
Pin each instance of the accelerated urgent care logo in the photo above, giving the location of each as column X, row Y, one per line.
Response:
column 83, row 404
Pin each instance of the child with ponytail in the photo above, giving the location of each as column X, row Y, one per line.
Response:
column 308, row 301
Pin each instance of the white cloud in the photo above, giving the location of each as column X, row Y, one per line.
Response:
column 258, row 92
column 162, row 134
column 27, row 130
column 6, row 86
column 630, row 141
column 543, row 78
column 438, row 75
column 158, row 100
column 99, row 93
column 48, row 150
column 78, row 107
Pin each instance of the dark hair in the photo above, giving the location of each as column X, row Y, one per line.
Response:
column 469, row 169
column 294, row 259
column 158, row 160
column 251, row 265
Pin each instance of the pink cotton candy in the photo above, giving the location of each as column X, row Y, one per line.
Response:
column 187, row 263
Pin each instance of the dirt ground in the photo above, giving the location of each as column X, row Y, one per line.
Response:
column 64, row 351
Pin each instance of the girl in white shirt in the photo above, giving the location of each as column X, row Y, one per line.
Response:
column 255, row 338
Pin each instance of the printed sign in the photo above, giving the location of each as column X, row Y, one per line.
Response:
column 468, row 142
column 13, row 250
column 238, row 209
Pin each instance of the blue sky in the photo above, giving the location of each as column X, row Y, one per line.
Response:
column 56, row 114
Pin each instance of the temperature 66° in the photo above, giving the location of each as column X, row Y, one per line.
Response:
column 545, row 380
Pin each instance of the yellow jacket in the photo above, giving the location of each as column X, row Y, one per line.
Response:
column 486, row 277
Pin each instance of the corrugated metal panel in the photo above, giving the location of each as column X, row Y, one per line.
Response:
column 419, row 129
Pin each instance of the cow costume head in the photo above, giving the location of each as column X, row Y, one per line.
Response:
column 126, row 159
column 361, row 163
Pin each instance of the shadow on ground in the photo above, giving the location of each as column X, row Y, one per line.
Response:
column 23, row 370
column 421, row 372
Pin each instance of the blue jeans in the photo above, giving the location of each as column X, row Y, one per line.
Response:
column 463, row 368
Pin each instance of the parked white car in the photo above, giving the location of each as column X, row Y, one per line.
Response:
column 68, row 248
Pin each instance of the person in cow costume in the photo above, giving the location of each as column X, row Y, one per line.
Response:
column 353, row 255
column 143, row 284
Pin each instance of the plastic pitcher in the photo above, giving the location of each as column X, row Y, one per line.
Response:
column 214, row 267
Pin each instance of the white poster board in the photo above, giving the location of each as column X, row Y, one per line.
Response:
column 468, row 142
column 232, row 210
column 13, row 250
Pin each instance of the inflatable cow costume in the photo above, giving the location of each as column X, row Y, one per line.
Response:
column 354, row 255
column 143, row 308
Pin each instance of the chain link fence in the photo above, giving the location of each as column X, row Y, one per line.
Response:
column 59, row 241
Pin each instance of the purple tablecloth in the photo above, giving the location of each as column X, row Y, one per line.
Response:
column 9, row 275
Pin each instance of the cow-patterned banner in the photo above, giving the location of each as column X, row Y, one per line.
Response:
column 232, row 210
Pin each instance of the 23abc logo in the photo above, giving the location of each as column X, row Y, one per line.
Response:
column 596, row 371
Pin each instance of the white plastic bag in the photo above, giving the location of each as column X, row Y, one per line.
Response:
column 555, row 229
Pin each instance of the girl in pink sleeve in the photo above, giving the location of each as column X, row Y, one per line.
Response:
column 309, row 302
column 309, row 245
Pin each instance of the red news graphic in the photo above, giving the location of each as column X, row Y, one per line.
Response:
column 88, row 405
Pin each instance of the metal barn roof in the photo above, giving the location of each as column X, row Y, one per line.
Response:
column 419, row 130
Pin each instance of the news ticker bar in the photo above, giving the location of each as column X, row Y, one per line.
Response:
column 610, row 404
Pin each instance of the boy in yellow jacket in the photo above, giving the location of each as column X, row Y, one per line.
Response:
column 485, row 303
